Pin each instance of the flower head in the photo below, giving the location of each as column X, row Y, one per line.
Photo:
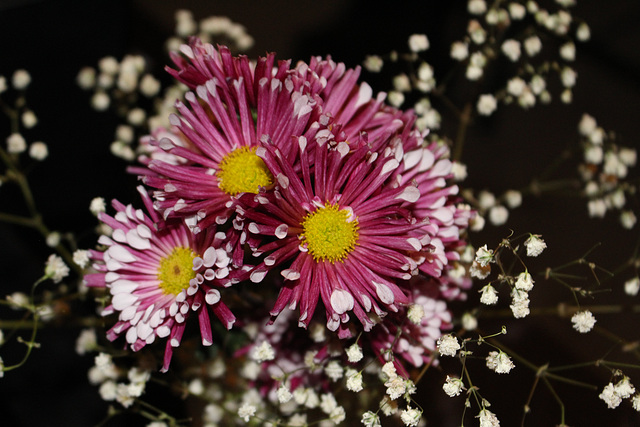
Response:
column 158, row 275
column 583, row 321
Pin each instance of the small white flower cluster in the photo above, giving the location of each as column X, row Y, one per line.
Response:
column 604, row 168
column 613, row 394
column 105, row 373
column 499, row 362
column 211, row 29
column 55, row 268
column 493, row 208
column 583, row 321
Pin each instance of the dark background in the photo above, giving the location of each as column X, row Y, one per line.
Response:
column 54, row 39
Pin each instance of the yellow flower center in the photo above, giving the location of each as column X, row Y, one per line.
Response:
column 242, row 171
column 329, row 234
column 175, row 271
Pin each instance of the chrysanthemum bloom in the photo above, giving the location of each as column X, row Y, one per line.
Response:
column 158, row 275
column 234, row 111
column 345, row 232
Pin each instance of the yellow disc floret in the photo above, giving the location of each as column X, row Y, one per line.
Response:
column 175, row 270
column 242, row 171
column 329, row 233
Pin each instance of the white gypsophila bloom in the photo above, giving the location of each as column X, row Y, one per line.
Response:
column 354, row 380
column 38, row 151
column 469, row 321
column 512, row 198
column 263, row 352
column 459, row 50
column 524, row 282
column 492, row 17
column 532, row 6
column 402, row 83
column 632, row 286
column 328, row 403
column 429, row 120
column 535, row 245
column 488, row 418
column 476, row 32
column 396, row 387
column 499, row 362
column 545, row 97
column 516, row 86
column 593, row 154
column 511, row 49
column 474, row 72
column 284, row 394
column 1, row 337
column 591, row 189
column 486, row 200
column 568, row 77
column 100, row 101
column 481, row 272
column 53, row 239
column 136, row 116
column 108, row 65
column 616, row 199
column 566, row 96
column 354, row 353
column 411, row 416
column 537, row 84
column 373, row 63
column 55, row 268
column 149, row 86
column 453, row 386
column 370, row 419
column 476, row 7
column 333, row 370
column 459, row 171
column 418, row 42
column 610, row 397
column 20, row 79
column 102, row 360
column 97, row 206
column 628, row 156
column 297, row 420
column 317, row 332
column 16, row 143
column 108, row 390
column 635, row 400
column 613, row 165
column 568, row 51
column 517, row 11
column 527, row 99
column 125, row 133
column 415, row 313
column 587, row 125
column 389, row 369
column 105, row 81
column 3, row 84
column 123, row 395
column 532, row 45
column 29, row 119
column 624, row 388
column 18, row 299
column 122, row 150
column 489, row 295
column 425, row 75
column 583, row 33
column 597, row 208
column 157, row 424
column 196, row 387
column 520, row 304
column 395, row 98
column 338, row 415
column 486, row 104
column 86, row 341
column 498, row 215
column 478, row 59
column 246, row 411
column 448, row 345
column 484, row 256
column 388, row 406
column 583, row 321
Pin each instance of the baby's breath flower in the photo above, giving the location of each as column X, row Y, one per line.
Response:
column 448, row 345
column 418, row 42
column 16, row 143
column 100, row 101
column 389, row 369
column 396, row 387
column 632, row 286
column 97, row 206
column 81, row 258
column 535, row 245
column 247, row 411
column 635, row 402
column 484, row 256
column 488, row 418
column 583, row 33
column 328, row 403
column 512, row 198
column 498, row 215
column 55, row 268
column 354, row 380
column 583, row 321
column 415, row 313
column 38, row 151
column 20, row 79
column 354, row 353
column 499, row 362
column 487, row 104
column 476, row 7
column 459, row 50
column 87, row 341
column 373, row 63
column 284, row 394
column 453, row 386
column 149, row 86
column 524, row 282
column 263, row 352
column 29, row 119
column 333, row 370
column 568, row 51
column 511, row 49
column 610, row 397
column 597, row 208
column 489, row 295
column 469, row 321
column 411, row 416
column 370, row 419
column 338, row 415
column 624, row 388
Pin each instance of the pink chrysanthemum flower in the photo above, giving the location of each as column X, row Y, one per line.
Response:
column 158, row 277
column 235, row 110
column 348, row 237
